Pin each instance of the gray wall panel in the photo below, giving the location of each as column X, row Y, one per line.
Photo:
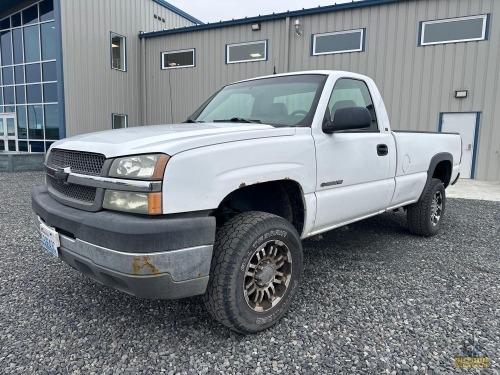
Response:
column 192, row 86
column 93, row 91
column 418, row 83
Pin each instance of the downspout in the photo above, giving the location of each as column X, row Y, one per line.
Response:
column 142, row 66
column 287, row 45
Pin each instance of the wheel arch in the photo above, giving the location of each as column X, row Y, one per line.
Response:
column 284, row 198
column 440, row 167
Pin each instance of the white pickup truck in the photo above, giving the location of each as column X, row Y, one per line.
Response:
column 218, row 205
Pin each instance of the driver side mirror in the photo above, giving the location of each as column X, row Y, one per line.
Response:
column 349, row 118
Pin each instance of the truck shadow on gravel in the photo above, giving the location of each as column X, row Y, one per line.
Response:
column 337, row 252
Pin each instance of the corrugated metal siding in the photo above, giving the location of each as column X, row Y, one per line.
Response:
column 192, row 86
column 417, row 83
column 93, row 91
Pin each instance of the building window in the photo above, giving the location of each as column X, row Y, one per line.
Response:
column 178, row 59
column 245, row 52
column 338, row 42
column 119, row 121
column 453, row 30
column 28, row 74
column 118, row 52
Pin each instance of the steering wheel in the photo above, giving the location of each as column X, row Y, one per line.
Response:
column 299, row 112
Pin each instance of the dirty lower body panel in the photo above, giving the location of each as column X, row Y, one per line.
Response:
column 157, row 269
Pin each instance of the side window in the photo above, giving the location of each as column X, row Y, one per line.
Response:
column 351, row 93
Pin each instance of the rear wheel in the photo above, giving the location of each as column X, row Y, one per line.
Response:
column 425, row 217
column 255, row 271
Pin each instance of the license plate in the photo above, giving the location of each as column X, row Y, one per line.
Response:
column 50, row 239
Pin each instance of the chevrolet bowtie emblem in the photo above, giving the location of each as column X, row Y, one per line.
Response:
column 61, row 175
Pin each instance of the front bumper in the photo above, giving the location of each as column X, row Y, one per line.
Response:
column 156, row 258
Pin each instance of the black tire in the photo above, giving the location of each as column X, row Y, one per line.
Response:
column 262, row 245
column 425, row 216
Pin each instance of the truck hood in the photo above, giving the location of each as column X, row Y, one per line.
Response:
column 169, row 139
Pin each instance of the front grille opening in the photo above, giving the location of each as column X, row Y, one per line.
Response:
column 81, row 193
column 79, row 162
column 66, row 233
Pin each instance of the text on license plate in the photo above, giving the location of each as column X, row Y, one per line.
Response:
column 50, row 239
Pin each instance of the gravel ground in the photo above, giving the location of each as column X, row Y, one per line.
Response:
column 374, row 299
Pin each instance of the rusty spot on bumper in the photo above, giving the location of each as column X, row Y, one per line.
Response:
column 144, row 266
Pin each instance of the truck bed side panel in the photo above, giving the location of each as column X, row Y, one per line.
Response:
column 414, row 154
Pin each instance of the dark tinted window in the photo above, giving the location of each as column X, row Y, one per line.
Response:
column 22, row 122
column 50, row 92
column 31, row 44
column 118, row 47
column 8, row 95
column 36, row 146
column 454, row 30
column 35, row 121
column 33, row 73
column 51, row 121
column 8, row 75
column 348, row 41
column 20, row 95
column 252, row 51
column 178, row 59
column 23, row 146
column 6, row 46
column 19, row 74
column 17, row 41
column 16, row 20
column 46, row 10
column 49, row 71
column 34, row 93
column 119, row 121
column 30, row 15
column 48, row 41
column 5, row 23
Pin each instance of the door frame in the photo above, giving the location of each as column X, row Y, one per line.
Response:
column 476, row 136
column 6, row 137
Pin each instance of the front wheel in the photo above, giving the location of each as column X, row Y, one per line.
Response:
column 255, row 271
column 425, row 216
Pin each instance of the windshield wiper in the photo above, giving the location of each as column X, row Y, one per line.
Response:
column 191, row 121
column 239, row 119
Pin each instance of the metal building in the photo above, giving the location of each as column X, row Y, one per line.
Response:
column 434, row 76
column 435, row 62
column 72, row 66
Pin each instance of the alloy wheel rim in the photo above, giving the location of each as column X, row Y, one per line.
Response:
column 436, row 208
column 267, row 276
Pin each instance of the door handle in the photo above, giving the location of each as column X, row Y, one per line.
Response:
column 382, row 150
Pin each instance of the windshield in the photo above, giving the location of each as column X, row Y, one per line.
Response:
column 277, row 101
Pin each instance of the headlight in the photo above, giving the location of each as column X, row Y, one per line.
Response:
column 141, row 167
column 139, row 203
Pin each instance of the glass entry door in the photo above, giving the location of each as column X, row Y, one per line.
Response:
column 8, row 132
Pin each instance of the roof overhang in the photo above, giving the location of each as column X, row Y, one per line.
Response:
column 179, row 12
column 270, row 17
column 5, row 5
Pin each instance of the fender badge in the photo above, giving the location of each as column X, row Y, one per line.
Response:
column 332, row 183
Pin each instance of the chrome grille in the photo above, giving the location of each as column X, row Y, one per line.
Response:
column 79, row 162
column 77, row 192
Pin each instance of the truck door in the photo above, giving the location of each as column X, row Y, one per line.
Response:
column 353, row 167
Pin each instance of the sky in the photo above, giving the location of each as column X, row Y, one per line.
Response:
column 217, row 10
